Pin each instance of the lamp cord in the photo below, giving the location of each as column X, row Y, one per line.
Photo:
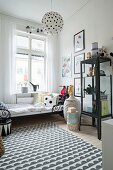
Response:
column 78, row 10
column 51, row 5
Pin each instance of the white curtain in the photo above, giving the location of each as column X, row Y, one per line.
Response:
column 52, row 68
column 8, row 30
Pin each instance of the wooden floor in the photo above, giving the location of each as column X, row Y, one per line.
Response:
column 87, row 133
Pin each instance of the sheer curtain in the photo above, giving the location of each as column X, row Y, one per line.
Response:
column 52, row 70
column 8, row 30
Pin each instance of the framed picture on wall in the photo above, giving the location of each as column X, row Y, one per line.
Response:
column 79, row 41
column 77, row 87
column 67, row 66
column 77, row 60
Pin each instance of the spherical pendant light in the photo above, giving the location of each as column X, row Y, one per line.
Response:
column 52, row 22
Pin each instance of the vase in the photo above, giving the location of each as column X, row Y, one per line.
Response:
column 71, row 102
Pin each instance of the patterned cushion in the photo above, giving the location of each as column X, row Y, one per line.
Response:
column 50, row 101
column 40, row 96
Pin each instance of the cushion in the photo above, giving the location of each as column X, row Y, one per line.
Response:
column 35, row 98
column 40, row 97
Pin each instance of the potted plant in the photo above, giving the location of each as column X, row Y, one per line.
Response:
column 24, row 87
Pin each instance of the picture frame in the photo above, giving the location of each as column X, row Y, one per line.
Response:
column 77, row 60
column 67, row 66
column 77, row 87
column 79, row 41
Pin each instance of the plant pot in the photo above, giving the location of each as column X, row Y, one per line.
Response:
column 24, row 89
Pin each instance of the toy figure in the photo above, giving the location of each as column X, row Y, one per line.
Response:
column 63, row 91
column 64, row 94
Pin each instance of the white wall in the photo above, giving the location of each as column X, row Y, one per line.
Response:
column 97, row 20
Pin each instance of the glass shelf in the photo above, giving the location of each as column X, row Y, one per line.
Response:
column 108, row 76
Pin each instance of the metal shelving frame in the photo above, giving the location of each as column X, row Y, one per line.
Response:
column 96, row 61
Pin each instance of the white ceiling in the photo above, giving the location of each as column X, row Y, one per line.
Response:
column 35, row 9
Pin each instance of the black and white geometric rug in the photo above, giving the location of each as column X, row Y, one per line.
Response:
column 48, row 147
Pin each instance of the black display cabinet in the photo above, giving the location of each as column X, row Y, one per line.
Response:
column 96, row 92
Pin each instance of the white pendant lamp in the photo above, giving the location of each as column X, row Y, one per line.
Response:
column 52, row 22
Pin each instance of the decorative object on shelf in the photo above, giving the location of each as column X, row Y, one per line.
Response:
column 111, row 54
column 77, row 60
column 72, row 118
column 95, row 46
column 71, row 102
column 52, row 22
column 2, row 148
column 104, row 107
column 94, row 49
column 102, row 73
column 34, row 86
column 88, row 55
column 79, row 41
column 77, row 87
column 90, row 71
column 103, row 52
column 94, row 71
column 67, row 66
column 89, row 89
column 31, row 29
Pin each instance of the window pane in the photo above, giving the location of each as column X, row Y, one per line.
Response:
column 37, row 71
column 37, row 45
column 21, row 70
column 22, row 42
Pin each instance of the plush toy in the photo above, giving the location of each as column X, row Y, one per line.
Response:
column 103, row 52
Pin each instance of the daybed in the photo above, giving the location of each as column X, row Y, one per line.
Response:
column 34, row 103
column 17, row 110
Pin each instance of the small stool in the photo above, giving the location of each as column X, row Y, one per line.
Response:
column 2, row 148
column 5, row 122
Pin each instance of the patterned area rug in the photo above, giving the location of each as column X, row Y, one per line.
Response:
column 48, row 147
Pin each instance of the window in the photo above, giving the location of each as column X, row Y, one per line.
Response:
column 22, row 42
column 30, row 60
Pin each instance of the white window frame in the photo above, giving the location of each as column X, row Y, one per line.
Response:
column 31, row 52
